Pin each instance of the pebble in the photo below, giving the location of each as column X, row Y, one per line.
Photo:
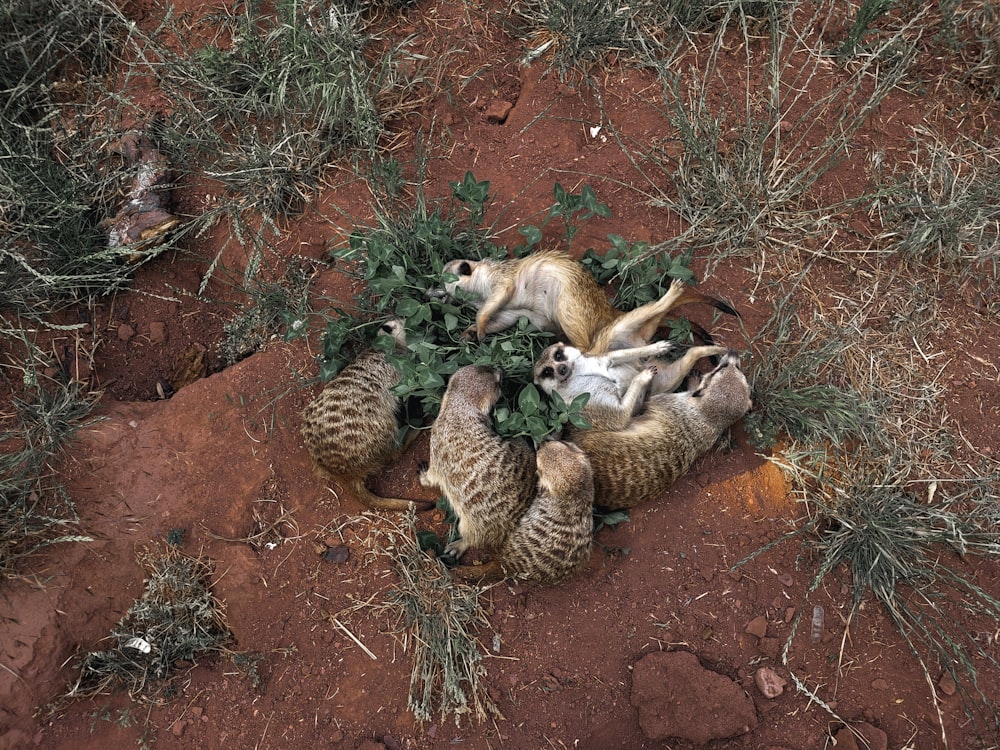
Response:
column 125, row 332
column 498, row 111
column 786, row 580
column 769, row 682
column 880, row 684
column 757, row 626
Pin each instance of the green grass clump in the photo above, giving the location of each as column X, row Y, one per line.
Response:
column 797, row 389
column 176, row 620
column 35, row 510
column 906, row 551
column 278, row 95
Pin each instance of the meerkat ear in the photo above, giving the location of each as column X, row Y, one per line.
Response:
column 465, row 269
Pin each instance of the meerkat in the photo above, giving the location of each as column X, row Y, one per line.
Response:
column 617, row 387
column 488, row 480
column 556, row 293
column 350, row 427
column 552, row 540
column 638, row 463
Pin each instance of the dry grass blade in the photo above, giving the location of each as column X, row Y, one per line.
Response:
column 437, row 618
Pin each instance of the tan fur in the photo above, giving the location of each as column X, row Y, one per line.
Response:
column 556, row 293
column 350, row 427
column 552, row 540
column 489, row 481
column 638, row 463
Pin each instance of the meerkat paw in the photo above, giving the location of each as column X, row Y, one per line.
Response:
column 456, row 549
column 661, row 348
column 426, row 476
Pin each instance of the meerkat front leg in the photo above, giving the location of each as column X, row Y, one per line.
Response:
column 638, row 389
column 668, row 377
column 621, row 356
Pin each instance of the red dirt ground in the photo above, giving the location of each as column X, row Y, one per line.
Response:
column 561, row 678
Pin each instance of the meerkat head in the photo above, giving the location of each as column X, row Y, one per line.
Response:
column 724, row 392
column 555, row 366
column 463, row 268
column 564, row 470
column 396, row 328
column 477, row 384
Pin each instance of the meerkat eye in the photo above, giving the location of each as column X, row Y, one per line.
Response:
column 547, row 372
column 465, row 269
column 386, row 328
column 559, row 355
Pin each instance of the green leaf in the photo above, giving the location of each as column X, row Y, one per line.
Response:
column 528, row 400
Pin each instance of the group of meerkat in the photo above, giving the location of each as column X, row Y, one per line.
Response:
column 533, row 511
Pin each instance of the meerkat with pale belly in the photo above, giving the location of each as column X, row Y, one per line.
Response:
column 489, row 481
column 617, row 386
column 556, row 293
column 350, row 428
column 639, row 462
column 553, row 538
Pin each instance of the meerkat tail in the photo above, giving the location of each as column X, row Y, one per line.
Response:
column 489, row 572
column 377, row 502
column 691, row 296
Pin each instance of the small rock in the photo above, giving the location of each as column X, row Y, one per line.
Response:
column 769, row 683
column 789, row 614
column 179, row 728
column 757, row 626
column 786, row 580
column 498, row 111
column 197, row 711
column 331, row 541
column 158, row 332
column 125, row 332
column 880, row 684
column 873, row 738
column 947, row 684
column 785, row 126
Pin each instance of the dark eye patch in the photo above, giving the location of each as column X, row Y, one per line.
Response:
column 464, row 269
column 547, row 372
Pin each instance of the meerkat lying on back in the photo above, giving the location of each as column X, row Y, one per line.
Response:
column 489, row 481
column 617, row 387
column 552, row 540
column 350, row 427
column 638, row 463
column 556, row 293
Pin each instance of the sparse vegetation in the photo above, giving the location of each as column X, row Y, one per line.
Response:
column 438, row 619
column 176, row 620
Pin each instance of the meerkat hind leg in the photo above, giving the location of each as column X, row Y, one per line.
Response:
column 636, row 327
column 668, row 377
column 377, row 502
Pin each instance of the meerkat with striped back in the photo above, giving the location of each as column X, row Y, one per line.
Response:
column 638, row 463
column 553, row 538
column 350, row 428
column 488, row 480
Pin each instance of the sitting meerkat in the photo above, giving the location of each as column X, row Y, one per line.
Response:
column 489, row 481
column 552, row 540
column 638, row 463
column 558, row 294
column 350, row 427
column 617, row 387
